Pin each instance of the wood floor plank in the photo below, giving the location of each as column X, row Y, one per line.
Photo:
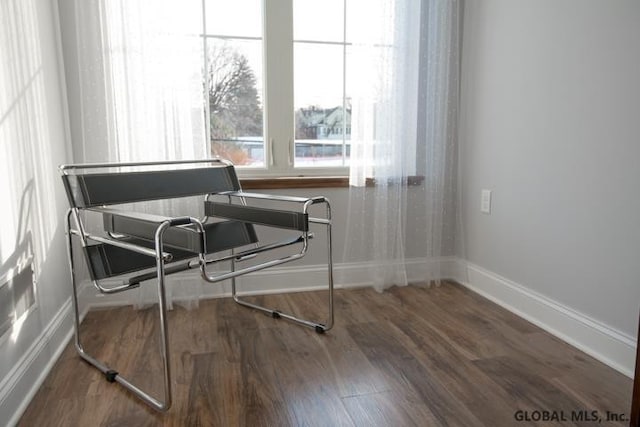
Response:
column 350, row 370
column 387, row 409
column 462, row 379
column 532, row 390
column 407, row 356
column 349, row 307
column 580, row 371
column 479, row 333
column 385, row 352
column 453, row 327
column 349, row 367
column 307, row 386
column 461, row 299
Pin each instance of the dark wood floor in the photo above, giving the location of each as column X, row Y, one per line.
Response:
column 409, row 356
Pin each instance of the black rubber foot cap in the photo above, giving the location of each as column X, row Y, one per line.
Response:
column 111, row 375
column 275, row 314
column 320, row 329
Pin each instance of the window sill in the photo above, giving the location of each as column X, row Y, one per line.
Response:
column 294, row 182
column 271, row 183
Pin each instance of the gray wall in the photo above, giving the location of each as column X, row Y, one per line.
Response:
column 32, row 144
column 551, row 124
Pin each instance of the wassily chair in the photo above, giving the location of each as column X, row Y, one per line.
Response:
column 137, row 246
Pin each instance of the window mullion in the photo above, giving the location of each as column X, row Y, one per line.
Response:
column 278, row 77
column 205, row 76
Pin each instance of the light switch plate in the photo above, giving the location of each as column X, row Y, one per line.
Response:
column 485, row 201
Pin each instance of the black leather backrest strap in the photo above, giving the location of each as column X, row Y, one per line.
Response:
column 97, row 189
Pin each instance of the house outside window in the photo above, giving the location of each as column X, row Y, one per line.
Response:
column 277, row 101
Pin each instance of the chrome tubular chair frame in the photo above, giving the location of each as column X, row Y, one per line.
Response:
column 170, row 261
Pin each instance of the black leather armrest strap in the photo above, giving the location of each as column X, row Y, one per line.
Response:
column 256, row 215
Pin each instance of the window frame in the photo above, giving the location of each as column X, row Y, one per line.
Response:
column 278, row 94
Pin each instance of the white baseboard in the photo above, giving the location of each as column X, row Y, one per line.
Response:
column 23, row 381
column 589, row 335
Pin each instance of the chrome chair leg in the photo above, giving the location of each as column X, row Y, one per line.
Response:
column 112, row 375
column 277, row 314
column 330, row 322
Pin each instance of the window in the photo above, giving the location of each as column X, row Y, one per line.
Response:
column 234, row 80
column 277, row 100
column 322, row 108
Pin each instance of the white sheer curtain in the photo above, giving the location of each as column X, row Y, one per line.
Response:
column 404, row 85
column 140, row 91
column 140, row 81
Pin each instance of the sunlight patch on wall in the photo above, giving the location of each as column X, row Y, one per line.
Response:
column 28, row 213
column 17, row 296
